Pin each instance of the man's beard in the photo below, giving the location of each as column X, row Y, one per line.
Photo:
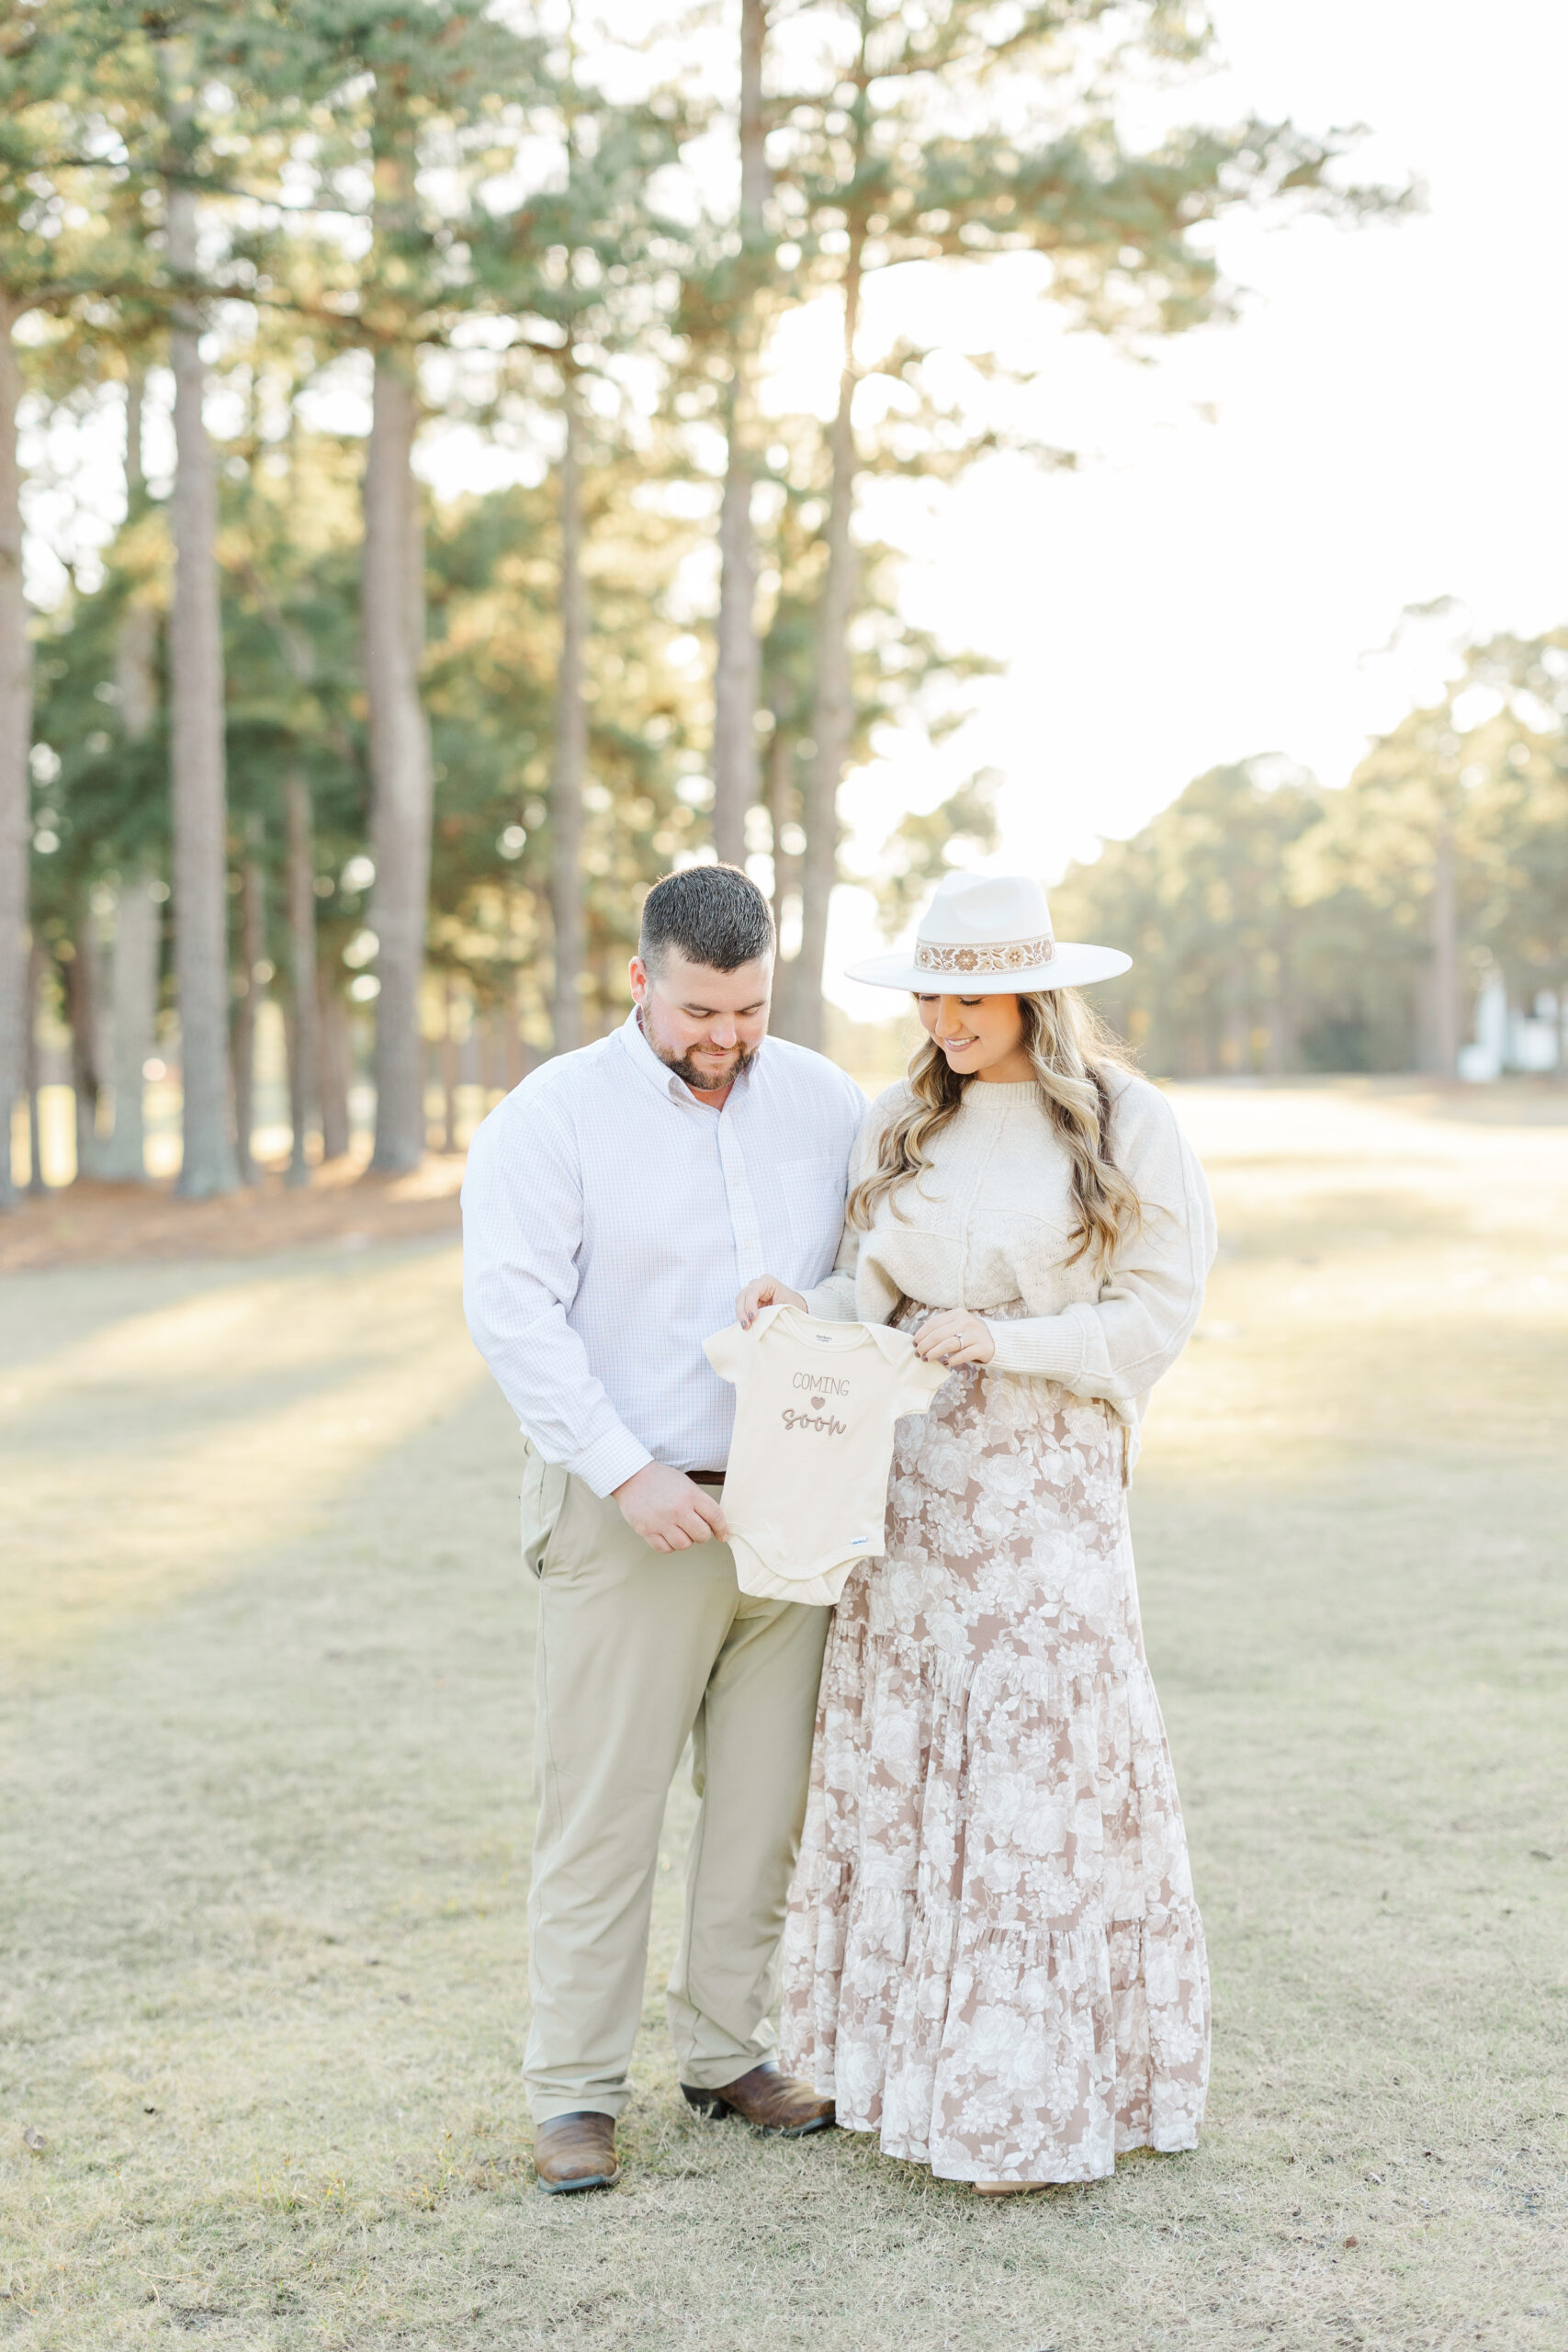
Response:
column 702, row 1081
column 707, row 1081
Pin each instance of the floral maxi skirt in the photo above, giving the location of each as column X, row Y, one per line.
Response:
column 993, row 1956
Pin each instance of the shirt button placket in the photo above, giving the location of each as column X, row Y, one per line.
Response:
column 742, row 1207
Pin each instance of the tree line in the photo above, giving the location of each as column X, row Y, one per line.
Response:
column 297, row 730
column 1277, row 926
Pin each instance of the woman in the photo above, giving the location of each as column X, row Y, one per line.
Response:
column 993, row 1956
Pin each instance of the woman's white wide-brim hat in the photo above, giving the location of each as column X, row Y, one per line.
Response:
column 989, row 935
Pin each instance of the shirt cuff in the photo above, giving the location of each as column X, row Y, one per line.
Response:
column 1048, row 1346
column 610, row 1461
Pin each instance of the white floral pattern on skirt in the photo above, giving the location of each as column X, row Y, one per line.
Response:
column 993, row 1956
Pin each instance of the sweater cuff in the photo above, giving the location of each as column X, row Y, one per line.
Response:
column 1048, row 1346
column 610, row 1461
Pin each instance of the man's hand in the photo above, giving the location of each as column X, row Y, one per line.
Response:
column 766, row 1290
column 954, row 1336
column 668, row 1510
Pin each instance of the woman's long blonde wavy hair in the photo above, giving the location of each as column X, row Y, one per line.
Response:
column 1072, row 1051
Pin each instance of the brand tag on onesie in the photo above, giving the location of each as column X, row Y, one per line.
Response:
column 791, row 1533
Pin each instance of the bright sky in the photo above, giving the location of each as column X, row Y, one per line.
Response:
column 1388, row 428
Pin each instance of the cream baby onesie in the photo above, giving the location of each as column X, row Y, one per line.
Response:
column 805, row 1492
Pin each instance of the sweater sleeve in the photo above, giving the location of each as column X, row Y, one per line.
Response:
column 834, row 1296
column 1117, row 1346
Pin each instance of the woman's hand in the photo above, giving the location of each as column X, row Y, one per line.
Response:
column 766, row 1290
column 954, row 1336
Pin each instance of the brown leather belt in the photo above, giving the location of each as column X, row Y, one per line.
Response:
column 707, row 1477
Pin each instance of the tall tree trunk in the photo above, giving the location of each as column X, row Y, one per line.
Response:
column 133, row 999
column 1445, row 960
column 738, row 661
column 832, row 717
column 572, row 740
column 449, row 1069
column 517, row 1054
column 196, row 697
column 400, row 784
column 16, row 739
column 83, row 975
column 30, row 1066
column 135, row 469
column 252, row 948
column 490, row 1049
column 303, row 1024
column 133, row 992
column 337, row 1065
column 738, row 657
column 786, row 877
column 136, row 671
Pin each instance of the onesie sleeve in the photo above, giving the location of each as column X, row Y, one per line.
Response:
column 919, row 1383
column 729, row 1353
column 912, row 1382
column 1117, row 1346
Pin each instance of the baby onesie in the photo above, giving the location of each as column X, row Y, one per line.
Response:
column 805, row 1492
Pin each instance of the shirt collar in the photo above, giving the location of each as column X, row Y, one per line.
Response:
column 660, row 1074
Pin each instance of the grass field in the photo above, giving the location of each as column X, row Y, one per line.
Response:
column 263, row 1835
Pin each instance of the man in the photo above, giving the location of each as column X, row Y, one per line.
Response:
column 614, row 1206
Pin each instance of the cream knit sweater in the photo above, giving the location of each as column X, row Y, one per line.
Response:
column 989, row 1224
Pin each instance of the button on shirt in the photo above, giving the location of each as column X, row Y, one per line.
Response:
column 609, row 1219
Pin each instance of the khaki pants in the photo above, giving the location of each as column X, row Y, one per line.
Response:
column 637, row 1650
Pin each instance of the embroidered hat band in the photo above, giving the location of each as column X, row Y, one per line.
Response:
column 999, row 955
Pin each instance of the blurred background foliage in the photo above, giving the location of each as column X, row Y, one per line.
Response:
column 1277, row 926
column 523, row 256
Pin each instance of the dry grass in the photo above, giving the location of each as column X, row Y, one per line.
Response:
column 264, row 1820
column 89, row 1225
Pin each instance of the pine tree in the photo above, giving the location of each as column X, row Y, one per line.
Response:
column 209, row 1161
column 133, row 992
column 738, row 653
column 16, row 734
column 58, row 251
column 389, row 81
column 392, row 603
column 35, row 65
column 586, row 257
column 876, row 177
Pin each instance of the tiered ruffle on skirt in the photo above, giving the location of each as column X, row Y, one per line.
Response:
column 993, row 1958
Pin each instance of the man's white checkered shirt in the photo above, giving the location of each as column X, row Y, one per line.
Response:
column 609, row 1218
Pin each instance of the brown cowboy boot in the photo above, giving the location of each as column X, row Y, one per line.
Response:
column 575, row 2152
column 782, row 2106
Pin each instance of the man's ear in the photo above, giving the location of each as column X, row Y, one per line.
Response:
column 636, row 972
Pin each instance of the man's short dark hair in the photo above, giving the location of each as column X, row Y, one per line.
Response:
column 715, row 914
